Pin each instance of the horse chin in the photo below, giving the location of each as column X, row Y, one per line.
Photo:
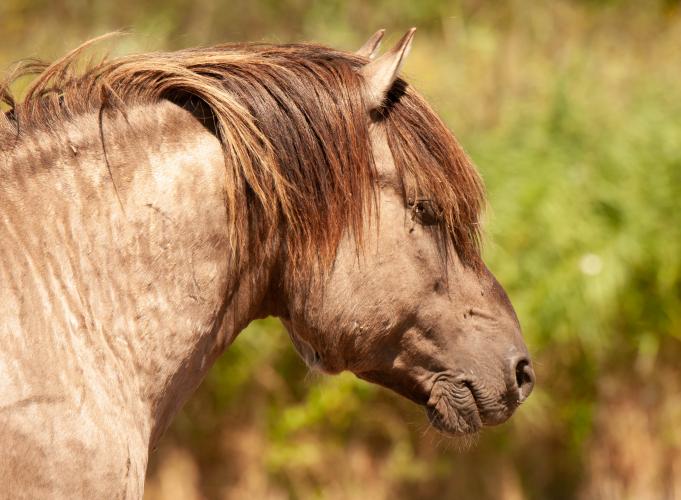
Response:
column 453, row 409
column 454, row 424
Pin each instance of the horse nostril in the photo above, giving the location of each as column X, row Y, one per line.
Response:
column 524, row 378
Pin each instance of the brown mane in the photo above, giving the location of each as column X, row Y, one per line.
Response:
column 293, row 124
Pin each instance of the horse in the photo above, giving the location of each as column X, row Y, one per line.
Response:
column 152, row 205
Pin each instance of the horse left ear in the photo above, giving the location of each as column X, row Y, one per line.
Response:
column 370, row 47
column 380, row 74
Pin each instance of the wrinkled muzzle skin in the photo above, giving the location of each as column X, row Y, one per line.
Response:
column 406, row 315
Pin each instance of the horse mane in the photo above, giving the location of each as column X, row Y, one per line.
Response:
column 293, row 124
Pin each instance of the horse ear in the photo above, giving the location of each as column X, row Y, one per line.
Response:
column 380, row 74
column 370, row 47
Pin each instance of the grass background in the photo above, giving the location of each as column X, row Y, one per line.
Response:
column 572, row 112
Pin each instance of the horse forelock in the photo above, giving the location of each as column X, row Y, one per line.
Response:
column 293, row 124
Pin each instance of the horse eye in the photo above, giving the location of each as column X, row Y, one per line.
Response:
column 425, row 212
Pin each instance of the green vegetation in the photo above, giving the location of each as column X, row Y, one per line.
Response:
column 572, row 112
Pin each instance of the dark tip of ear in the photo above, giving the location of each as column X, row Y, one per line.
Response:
column 405, row 41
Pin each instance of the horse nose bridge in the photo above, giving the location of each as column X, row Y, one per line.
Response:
column 506, row 321
column 518, row 348
column 500, row 324
column 495, row 297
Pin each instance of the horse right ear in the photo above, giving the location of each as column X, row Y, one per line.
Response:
column 380, row 74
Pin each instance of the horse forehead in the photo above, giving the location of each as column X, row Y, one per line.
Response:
column 383, row 157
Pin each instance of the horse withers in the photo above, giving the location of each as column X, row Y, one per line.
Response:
column 151, row 206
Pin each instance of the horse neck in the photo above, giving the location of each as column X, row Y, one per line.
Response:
column 130, row 238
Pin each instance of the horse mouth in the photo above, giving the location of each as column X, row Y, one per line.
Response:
column 453, row 409
column 460, row 407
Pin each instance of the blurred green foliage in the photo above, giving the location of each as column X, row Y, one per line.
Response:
column 571, row 111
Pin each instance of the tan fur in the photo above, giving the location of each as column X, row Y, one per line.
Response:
column 153, row 205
